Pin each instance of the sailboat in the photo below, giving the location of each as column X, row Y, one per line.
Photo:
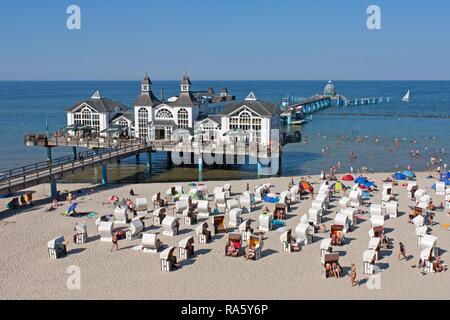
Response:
column 407, row 97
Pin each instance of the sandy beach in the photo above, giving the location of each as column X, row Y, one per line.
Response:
column 28, row 273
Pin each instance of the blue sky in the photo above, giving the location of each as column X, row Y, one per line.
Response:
column 229, row 40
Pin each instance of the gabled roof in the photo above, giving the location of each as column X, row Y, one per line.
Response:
column 128, row 116
column 185, row 99
column 263, row 108
column 100, row 104
column 215, row 118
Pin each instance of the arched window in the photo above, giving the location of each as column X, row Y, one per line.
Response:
column 143, row 122
column 245, row 120
column 123, row 123
column 164, row 114
column 183, row 118
column 87, row 117
column 250, row 123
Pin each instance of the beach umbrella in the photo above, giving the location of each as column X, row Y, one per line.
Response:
column 192, row 184
column 399, row 176
column 348, row 177
column 409, row 174
column 361, row 180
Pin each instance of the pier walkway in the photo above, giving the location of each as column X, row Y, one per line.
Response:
column 295, row 113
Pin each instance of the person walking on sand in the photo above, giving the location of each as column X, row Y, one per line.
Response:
column 402, row 252
column 115, row 241
column 353, row 275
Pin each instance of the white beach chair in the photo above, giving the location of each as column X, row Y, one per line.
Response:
column 203, row 208
column 186, row 248
column 105, row 230
column 203, row 234
column 418, row 221
column 136, row 227
column 158, row 215
column 355, row 198
column 344, row 203
column 245, row 202
column 121, row 215
column 429, row 250
column 392, row 209
column 189, row 216
column 325, row 199
column 235, row 216
column 141, row 206
column 245, row 229
column 419, row 193
column 351, row 213
column 342, row 219
column 325, row 247
column 304, row 233
column 156, row 198
column 57, row 248
column 375, row 245
column 425, row 199
column 179, row 189
column 377, row 224
column 220, row 201
column 295, row 193
column 186, row 198
column 265, row 222
column 369, row 258
column 315, row 216
column 180, row 206
column 150, row 242
column 170, row 226
column 420, row 233
column 81, row 233
column 227, row 189
column 258, row 194
column 375, row 210
column 412, row 188
column 167, row 259
column 286, row 239
column 318, row 205
column 440, row 188
column 231, row 204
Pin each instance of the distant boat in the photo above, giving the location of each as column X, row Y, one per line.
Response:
column 407, row 97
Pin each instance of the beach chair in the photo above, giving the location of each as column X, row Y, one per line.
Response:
column 315, row 216
column 285, row 198
column 170, row 226
column 318, row 204
column 255, row 243
column 343, row 220
column 231, row 204
column 156, row 198
column 81, row 233
column 245, row 202
column 328, row 260
column 245, row 229
column 179, row 189
column 337, row 232
column 305, row 233
column 180, row 206
column 420, row 233
column 412, row 188
column 324, row 189
column 136, row 227
column 419, row 193
column 418, row 221
column 203, row 234
column 218, row 190
column 388, row 188
column 203, row 208
column 186, row 198
column 279, row 212
column 325, row 247
column 227, row 190
column 352, row 215
column 344, row 203
column 233, row 248
column 235, row 217
column 355, row 198
column 220, row 201
column 171, row 192
column 167, row 259
column 186, row 248
column 295, row 193
column 375, row 245
column 375, row 210
column 57, row 248
column 150, row 242
column 122, row 215
column 426, row 199
column 105, row 230
column 325, row 199
column 258, row 193
column 189, row 216
column 369, row 259
column 428, row 252
column 286, row 239
column 158, row 215
column 392, row 209
column 218, row 224
column 141, row 206
column 440, row 188
column 265, row 222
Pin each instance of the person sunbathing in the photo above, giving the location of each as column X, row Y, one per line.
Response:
column 328, row 269
column 336, row 270
column 431, row 206
column 333, row 239
column 295, row 246
column 439, row 266
column 232, row 249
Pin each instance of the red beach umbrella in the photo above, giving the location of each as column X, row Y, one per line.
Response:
column 348, row 177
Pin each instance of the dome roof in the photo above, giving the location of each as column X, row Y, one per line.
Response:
column 330, row 89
